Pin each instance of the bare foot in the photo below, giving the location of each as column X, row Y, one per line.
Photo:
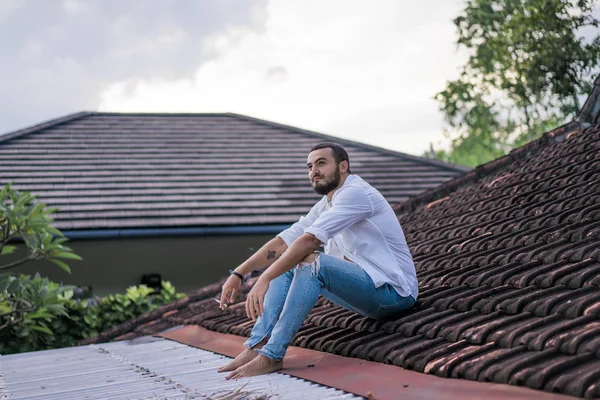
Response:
column 259, row 366
column 244, row 357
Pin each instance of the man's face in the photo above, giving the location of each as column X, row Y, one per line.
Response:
column 323, row 171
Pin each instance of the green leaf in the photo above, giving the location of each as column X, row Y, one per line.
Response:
column 43, row 292
column 39, row 314
column 7, row 249
column 32, row 240
column 43, row 329
column 70, row 256
column 5, row 307
column 50, row 210
column 4, row 282
column 61, row 264
column 47, row 240
column 4, row 192
column 57, row 309
column 57, row 233
column 13, row 286
column 67, row 294
column 37, row 209
column 58, row 239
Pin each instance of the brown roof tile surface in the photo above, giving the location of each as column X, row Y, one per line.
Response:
column 508, row 262
column 119, row 171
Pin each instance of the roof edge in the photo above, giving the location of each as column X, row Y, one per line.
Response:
column 369, row 378
column 557, row 135
column 43, row 125
column 591, row 108
column 422, row 160
column 159, row 114
column 181, row 231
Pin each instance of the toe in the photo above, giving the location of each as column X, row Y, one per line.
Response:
column 225, row 368
column 234, row 375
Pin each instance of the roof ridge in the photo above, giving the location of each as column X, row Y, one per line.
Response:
column 556, row 135
column 158, row 114
column 588, row 115
column 590, row 110
column 44, row 125
column 422, row 160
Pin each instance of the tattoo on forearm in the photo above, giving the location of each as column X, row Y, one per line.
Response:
column 270, row 255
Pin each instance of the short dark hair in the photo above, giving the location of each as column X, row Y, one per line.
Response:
column 339, row 153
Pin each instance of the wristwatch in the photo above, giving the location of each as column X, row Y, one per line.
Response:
column 232, row 272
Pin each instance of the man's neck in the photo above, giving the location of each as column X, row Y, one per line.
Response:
column 342, row 180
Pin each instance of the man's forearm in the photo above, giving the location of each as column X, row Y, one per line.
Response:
column 302, row 247
column 264, row 257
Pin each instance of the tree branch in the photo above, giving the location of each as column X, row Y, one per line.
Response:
column 4, row 237
column 14, row 264
column 10, row 323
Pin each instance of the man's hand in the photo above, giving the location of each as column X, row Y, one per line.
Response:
column 229, row 291
column 256, row 298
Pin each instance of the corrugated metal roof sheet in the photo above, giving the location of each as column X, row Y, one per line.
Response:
column 145, row 368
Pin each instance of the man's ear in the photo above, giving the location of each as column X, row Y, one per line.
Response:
column 344, row 166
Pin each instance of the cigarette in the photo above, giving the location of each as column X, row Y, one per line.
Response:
column 219, row 301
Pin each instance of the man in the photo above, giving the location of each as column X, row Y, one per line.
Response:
column 367, row 266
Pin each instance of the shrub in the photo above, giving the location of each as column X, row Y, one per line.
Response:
column 28, row 305
column 57, row 320
column 94, row 317
column 38, row 314
column 23, row 217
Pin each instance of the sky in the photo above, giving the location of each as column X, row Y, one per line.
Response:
column 361, row 70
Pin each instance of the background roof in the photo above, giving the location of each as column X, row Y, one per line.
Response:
column 115, row 171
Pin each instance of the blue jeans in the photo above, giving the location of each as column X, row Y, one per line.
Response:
column 292, row 296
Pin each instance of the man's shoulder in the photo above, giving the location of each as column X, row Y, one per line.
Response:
column 358, row 188
column 354, row 182
column 353, row 189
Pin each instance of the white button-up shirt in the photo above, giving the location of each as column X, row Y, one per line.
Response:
column 359, row 224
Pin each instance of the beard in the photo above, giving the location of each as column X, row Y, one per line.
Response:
column 325, row 187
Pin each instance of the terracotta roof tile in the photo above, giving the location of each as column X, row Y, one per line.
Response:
column 509, row 293
column 508, row 261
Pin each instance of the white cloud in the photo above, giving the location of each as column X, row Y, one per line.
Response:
column 366, row 71
column 57, row 60
column 73, row 7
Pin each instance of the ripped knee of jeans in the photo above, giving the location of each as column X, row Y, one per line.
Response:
column 315, row 265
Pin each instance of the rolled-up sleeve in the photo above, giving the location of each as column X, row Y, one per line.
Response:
column 295, row 231
column 349, row 207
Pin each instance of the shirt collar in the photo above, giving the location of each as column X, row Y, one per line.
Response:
column 349, row 178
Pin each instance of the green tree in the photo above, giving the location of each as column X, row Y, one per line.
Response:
column 529, row 64
column 38, row 314
column 23, row 217
column 27, row 304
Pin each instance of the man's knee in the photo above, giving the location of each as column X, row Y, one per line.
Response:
column 311, row 263
column 310, row 258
